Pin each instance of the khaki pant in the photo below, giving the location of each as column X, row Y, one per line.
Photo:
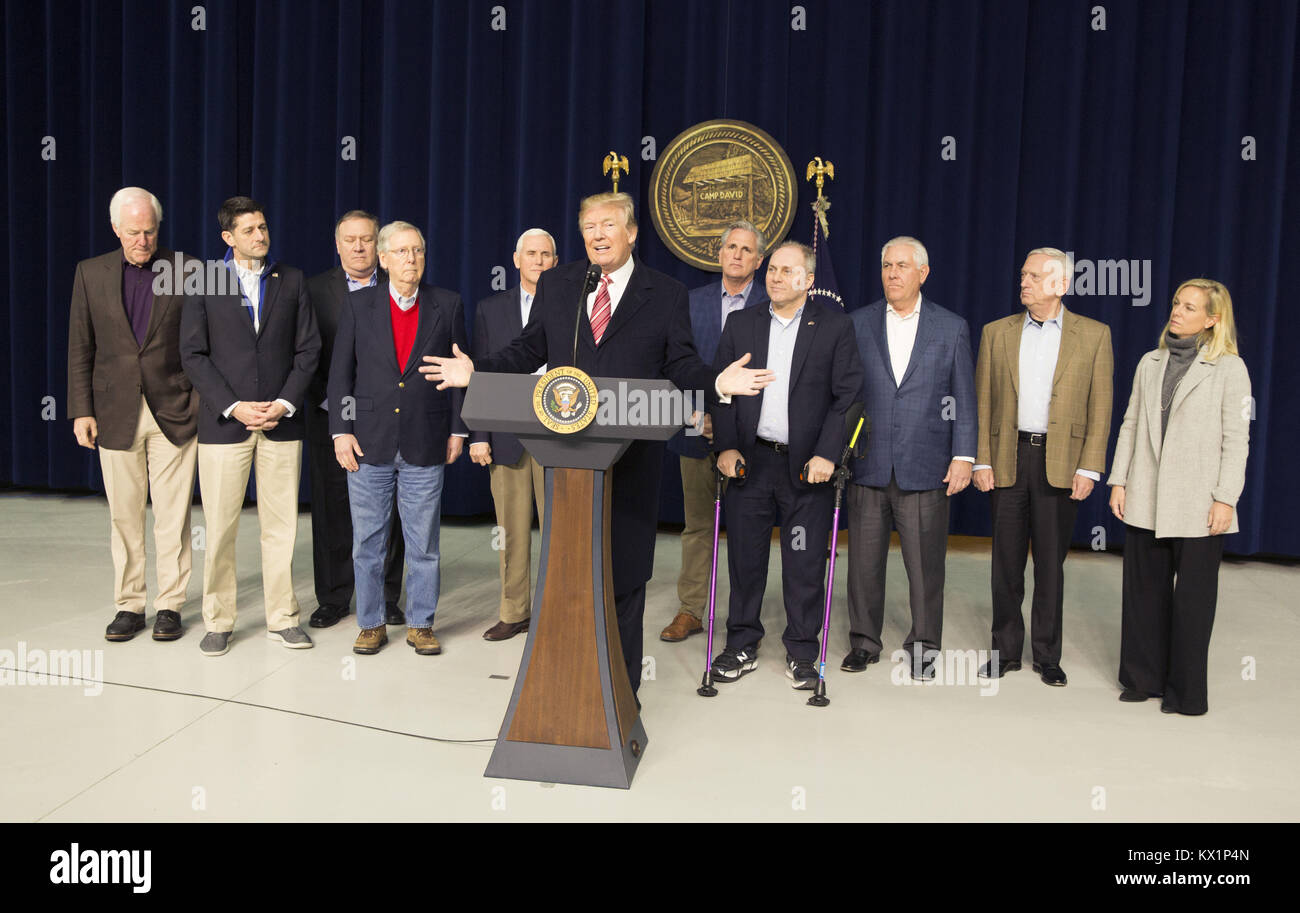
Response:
column 154, row 468
column 223, row 479
column 514, row 491
column 697, row 535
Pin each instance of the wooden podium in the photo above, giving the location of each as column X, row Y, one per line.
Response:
column 572, row 716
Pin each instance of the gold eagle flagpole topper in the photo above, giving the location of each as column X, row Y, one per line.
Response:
column 615, row 162
column 821, row 171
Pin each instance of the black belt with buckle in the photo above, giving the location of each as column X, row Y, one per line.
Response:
column 773, row 445
column 1034, row 438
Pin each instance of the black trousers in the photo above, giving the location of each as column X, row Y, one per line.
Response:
column 630, row 608
column 1171, row 589
column 1030, row 514
column 331, row 523
column 921, row 518
column 768, row 497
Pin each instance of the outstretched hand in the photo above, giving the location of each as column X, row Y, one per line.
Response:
column 448, row 371
column 737, row 380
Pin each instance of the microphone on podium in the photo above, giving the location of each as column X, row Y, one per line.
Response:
column 588, row 286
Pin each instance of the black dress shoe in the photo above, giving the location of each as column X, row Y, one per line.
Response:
column 1001, row 668
column 328, row 615
column 1129, row 696
column 1050, row 673
column 923, row 670
column 124, row 626
column 393, row 615
column 167, row 625
column 858, row 660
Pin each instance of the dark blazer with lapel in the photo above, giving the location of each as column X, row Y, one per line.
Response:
column 825, row 379
column 327, row 291
column 649, row 336
column 395, row 408
column 916, row 429
column 497, row 323
column 227, row 361
column 706, row 324
column 108, row 369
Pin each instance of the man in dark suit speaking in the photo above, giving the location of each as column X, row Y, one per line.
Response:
column 790, row 438
column 637, row 324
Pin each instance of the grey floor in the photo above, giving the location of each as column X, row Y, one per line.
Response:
column 170, row 734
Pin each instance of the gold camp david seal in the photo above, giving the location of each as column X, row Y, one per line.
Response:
column 713, row 174
column 565, row 400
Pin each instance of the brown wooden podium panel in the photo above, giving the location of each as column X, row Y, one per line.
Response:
column 560, row 701
column 625, row 709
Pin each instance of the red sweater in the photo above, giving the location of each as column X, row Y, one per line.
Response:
column 405, row 323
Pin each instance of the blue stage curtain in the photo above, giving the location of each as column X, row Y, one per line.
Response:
column 1128, row 142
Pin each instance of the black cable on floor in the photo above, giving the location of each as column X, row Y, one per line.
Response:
column 225, row 700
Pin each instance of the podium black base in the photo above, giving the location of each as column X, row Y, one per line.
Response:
column 569, row 764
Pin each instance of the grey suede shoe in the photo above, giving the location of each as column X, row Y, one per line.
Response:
column 294, row 638
column 215, row 643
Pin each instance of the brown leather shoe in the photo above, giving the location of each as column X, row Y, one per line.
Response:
column 370, row 640
column 504, row 630
column 423, row 640
column 683, row 626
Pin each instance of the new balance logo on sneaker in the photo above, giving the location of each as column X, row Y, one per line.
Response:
column 731, row 664
column 802, row 674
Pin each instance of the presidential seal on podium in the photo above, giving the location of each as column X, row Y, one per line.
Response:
column 565, row 400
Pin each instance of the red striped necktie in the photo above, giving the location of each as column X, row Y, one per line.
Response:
column 600, row 312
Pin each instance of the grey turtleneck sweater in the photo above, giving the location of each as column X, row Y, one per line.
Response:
column 1182, row 352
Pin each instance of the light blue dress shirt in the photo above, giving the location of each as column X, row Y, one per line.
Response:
column 1040, row 346
column 774, row 414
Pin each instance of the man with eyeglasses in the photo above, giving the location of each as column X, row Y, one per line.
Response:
column 394, row 434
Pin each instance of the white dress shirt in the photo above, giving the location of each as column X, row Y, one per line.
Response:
column 618, row 281
column 250, row 280
column 900, row 332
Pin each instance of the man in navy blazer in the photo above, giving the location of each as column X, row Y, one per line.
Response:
column 790, row 439
column 919, row 392
column 250, row 348
column 394, row 434
column 517, row 479
column 637, row 325
column 740, row 253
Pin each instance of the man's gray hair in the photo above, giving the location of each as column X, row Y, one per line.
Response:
column 742, row 225
column 532, row 232
column 809, row 258
column 392, row 228
column 129, row 195
column 1066, row 263
column 922, row 255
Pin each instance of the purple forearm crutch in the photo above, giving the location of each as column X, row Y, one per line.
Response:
column 706, row 688
column 857, row 421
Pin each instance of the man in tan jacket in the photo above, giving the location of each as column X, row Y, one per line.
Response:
column 1043, row 388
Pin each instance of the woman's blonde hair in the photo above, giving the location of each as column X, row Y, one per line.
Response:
column 1220, row 338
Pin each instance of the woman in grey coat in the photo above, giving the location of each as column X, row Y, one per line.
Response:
column 1180, row 464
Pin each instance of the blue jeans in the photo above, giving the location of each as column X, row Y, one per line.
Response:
column 419, row 501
